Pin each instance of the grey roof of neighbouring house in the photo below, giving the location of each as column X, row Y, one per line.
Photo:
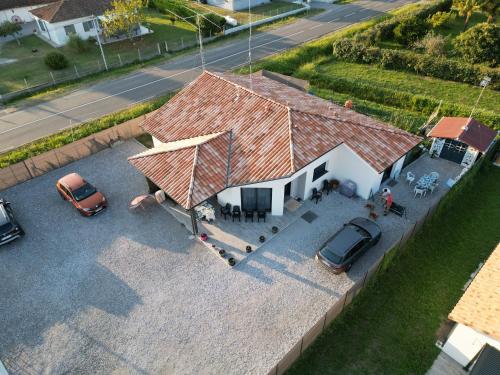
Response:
column 64, row 10
column 12, row 4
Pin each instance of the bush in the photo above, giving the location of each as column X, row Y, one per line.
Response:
column 437, row 67
column 480, row 44
column 77, row 44
column 441, row 18
column 410, row 30
column 432, row 44
column 212, row 24
column 56, row 60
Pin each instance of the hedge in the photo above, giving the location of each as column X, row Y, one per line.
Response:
column 401, row 99
column 423, row 64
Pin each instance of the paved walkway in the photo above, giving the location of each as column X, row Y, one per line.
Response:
column 109, row 96
column 445, row 365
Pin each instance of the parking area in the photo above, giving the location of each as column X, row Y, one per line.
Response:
column 130, row 293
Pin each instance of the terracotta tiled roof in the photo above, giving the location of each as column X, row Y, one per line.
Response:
column 479, row 307
column 275, row 129
column 189, row 172
column 472, row 132
column 64, row 10
column 12, row 4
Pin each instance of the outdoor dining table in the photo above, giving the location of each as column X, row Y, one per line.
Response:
column 425, row 181
column 205, row 210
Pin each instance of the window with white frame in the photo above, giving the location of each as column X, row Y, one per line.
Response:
column 88, row 25
column 69, row 29
column 319, row 171
column 41, row 25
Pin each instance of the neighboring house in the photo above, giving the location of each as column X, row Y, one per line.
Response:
column 58, row 20
column 18, row 11
column 254, row 142
column 475, row 340
column 236, row 4
column 461, row 139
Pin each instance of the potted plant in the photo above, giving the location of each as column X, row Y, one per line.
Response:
column 222, row 253
column 262, row 239
column 231, row 261
column 204, row 237
column 248, row 249
column 334, row 184
column 274, row 230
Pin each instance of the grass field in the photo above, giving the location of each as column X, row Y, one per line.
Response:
column 391, row 327
column 453, row 92
column 30, row 65
column 260, row 12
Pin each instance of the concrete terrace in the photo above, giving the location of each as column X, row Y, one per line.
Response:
column 131, row 293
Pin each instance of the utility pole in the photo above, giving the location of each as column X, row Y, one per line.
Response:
column 201, row 42
column 484, row 82
column 94, row 21
column 250, row 42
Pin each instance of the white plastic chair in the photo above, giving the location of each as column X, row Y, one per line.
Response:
column 420, row 192
column 410, row 177
column 434, row 176
column 433, row 186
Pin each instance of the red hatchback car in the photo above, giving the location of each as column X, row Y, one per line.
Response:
column 85, row 197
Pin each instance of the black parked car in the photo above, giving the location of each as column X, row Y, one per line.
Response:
column 9, row 227
column 348, row 244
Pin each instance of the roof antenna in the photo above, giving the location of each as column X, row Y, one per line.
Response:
column 250, row 42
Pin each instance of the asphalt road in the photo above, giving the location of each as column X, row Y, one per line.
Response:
column 28, row 124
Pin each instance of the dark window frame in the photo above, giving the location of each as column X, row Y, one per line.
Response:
column 42, row 26
column 68, row 31
column 87, row 26
column 319, row 171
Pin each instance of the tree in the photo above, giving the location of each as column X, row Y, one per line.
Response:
column 123, row 17
column 480, row 44
column 9, row 28
column 491, row 7
column 410, row 30
column 466, row 8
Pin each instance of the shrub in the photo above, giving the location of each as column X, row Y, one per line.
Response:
column 441, row 18
column 56, row 60
column 432, row 44
column 77, row 44
column 410, row 30
column 480, row 44
column 212, row 24
column 437, row 67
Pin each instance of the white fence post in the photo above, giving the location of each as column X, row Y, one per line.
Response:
column 76, row 72
column 52, row 76
column 166, row 46
column 120, row 60
column 159, row 50
column 139, row 53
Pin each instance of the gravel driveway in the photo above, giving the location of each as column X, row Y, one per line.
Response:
column 130, row 293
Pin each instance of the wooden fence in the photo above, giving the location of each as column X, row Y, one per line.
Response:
column 59, row 157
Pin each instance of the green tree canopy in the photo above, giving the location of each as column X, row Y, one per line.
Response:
column 123, row 17
column 9, row 28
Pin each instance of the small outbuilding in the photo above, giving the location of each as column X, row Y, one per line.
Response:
column 461, row 139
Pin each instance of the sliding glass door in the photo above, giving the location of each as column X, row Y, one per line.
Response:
column 256, row 199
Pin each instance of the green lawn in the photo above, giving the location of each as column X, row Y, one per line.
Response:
column 30, row 65
column 262, row 11
column 391, row 327
column 453, row 92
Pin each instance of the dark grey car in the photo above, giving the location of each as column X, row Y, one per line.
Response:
column 9, row 227
column 348, row 244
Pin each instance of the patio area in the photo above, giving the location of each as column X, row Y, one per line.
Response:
column 235, row 236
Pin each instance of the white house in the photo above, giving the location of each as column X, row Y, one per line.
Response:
column 58, row 20
column 18, row 11
column 477, row 317
column 255, row 142
column 236, row 4
column 461, row 139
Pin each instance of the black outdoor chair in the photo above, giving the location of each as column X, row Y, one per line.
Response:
column 326, row 186
column 261, row 215
column 237, row 212
column 316, row 195
column 248, row 215
column 226, row 210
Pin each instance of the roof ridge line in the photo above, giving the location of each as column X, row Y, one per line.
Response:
column 247, row 89
column 229, row 149
column 290, row 132
column 394, row 130
column 191, row 182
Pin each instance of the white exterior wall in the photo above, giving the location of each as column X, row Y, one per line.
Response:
column 347, row 165
column 56, row 33
column 236, row 4
column 464, row 343
column 396, row 168
column 341, row 163
column 23, row 13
